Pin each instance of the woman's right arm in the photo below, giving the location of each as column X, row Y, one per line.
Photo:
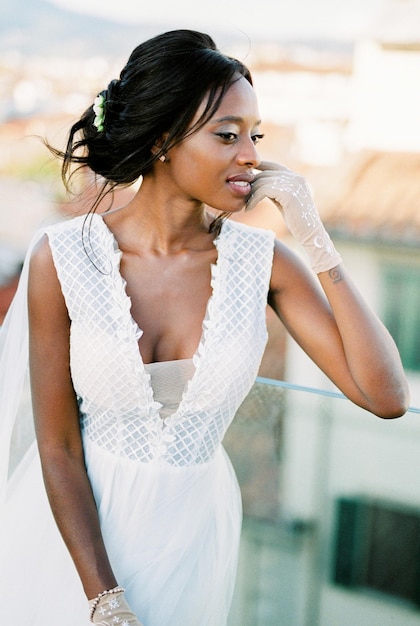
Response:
column 57, row 426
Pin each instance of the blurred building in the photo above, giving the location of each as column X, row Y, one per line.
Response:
column 386, row 89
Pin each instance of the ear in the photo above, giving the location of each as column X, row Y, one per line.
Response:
column 157, row 148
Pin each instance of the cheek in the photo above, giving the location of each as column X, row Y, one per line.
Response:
column 200, row 169
column 197, row 169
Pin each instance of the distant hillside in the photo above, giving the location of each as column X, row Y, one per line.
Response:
column 36, row 27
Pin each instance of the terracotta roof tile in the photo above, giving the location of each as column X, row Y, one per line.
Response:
column 372, row 196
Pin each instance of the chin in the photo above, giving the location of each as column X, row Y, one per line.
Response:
column 235, row 208
column 226, row 209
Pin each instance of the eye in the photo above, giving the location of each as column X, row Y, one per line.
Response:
column 257, row 138
column 228, row 137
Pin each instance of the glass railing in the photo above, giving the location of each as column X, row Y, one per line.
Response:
column 331, row 495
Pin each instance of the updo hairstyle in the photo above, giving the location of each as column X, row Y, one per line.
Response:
column 158, row 94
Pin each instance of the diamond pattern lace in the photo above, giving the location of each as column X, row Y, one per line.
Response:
column 117, row 409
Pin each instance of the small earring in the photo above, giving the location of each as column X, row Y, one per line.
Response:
column 162, row 158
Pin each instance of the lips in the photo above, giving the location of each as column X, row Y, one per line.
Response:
column 240, row 184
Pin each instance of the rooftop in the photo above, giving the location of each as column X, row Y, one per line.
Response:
column 372, row 196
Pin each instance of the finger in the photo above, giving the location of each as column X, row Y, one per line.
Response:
column 266, row 175
column 268, row 186
column 270, row 165
column 257, row 196
column 253, row 200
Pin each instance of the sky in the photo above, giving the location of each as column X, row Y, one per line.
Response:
column 333, row 19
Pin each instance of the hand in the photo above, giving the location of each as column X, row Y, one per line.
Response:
column 291, row 193
column 112, row 609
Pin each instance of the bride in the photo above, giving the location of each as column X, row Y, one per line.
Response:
column 146, row 329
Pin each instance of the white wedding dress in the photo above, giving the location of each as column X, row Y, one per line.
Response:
column 167, row 496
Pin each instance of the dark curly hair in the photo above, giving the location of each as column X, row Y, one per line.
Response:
column 157, row 95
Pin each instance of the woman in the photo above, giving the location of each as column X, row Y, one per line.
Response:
column 146, row 330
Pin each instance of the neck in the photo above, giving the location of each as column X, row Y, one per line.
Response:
column 162, row 222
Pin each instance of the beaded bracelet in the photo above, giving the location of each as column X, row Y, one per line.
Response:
column 98, row 598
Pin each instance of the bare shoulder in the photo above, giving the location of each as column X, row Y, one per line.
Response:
column 44, row 288
column 288, row 269
column 41, row 256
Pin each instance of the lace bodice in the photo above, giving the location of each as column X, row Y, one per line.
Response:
column 118, row 410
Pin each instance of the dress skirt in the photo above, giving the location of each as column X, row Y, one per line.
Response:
column 171, row 533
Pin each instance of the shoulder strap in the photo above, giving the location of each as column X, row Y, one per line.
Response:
column 84, row 259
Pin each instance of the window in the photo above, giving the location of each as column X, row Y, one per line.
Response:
column 401, row 312
column 377, row 547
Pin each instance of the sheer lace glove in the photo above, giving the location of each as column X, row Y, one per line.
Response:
column 110, row 608
column 291, row 193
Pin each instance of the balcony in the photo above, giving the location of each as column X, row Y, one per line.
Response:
column 331, row 532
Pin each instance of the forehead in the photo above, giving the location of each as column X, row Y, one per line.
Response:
column 240, row 101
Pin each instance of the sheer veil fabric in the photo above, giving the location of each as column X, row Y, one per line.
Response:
column 14, row 382
column 28, row 557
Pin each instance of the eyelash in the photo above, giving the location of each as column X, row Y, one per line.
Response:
column 257, row 138
column 232, row 137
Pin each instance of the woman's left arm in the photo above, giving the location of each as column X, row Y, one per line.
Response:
column 334, row 325
column 340, row 333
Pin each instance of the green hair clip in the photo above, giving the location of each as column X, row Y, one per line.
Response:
column 99, row 110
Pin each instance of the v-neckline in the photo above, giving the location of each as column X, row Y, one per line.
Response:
column 206, row 324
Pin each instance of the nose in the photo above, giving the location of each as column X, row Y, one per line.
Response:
column 248, row 154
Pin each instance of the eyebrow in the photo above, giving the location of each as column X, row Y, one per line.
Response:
column 233, row 118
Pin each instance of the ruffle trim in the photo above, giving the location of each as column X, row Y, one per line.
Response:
column 129, row 330
column 198, row 389
column 131, row 333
